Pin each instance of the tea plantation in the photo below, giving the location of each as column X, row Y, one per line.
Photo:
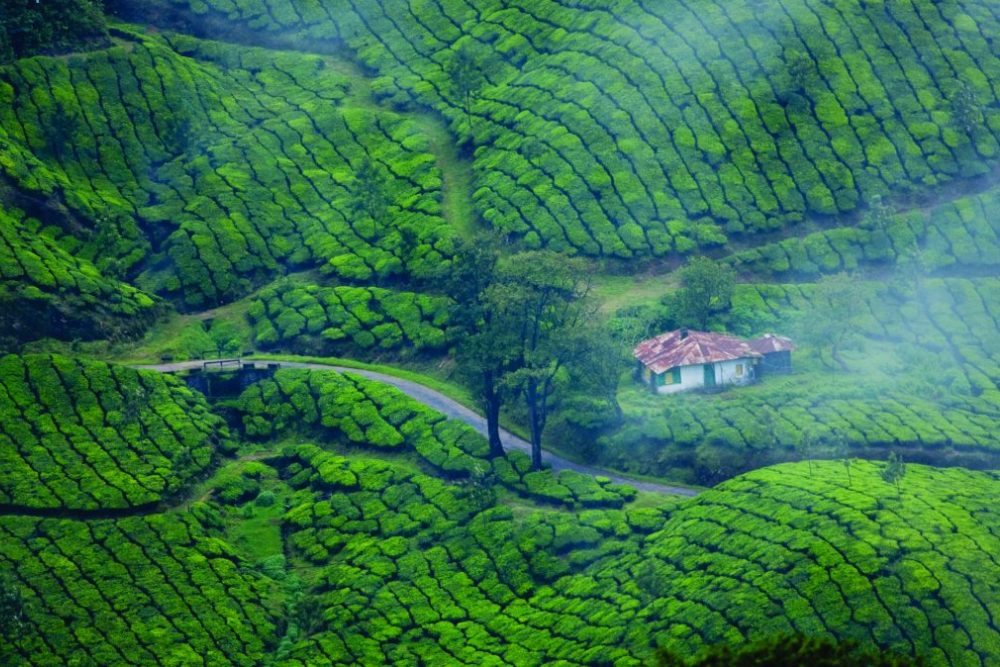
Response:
column 155, row 590
column 45, row 290
column 356, row 550
column 961, row 235
column 81, row 435
column 651, row 128
column 327, row 318
column 923, row 378
column 202, row 169
column 488, row 203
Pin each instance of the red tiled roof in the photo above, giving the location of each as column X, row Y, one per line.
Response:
column 699, row 347
column 769, row 343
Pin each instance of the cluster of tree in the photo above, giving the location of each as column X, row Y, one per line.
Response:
column 30, row 27
column 530, row 333
column 705, row 300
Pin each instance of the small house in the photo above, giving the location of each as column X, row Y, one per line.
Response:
column 682, row 359
column 776, row 354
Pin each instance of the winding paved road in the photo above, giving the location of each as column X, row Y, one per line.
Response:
column 452, row 409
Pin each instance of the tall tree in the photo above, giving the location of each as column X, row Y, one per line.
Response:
column 371, row 195
column 466, row 72
column 806, row 446
column 706, row 290
column 894, row 471
column 608, row 354
column 966, row 108
column 907, row 279
column 541, row 313
column 61, row 126
column 483, row 354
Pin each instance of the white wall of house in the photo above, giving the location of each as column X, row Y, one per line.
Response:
column 726, row 372
column 691, row 377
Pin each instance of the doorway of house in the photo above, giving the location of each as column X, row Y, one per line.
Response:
column 709, row 375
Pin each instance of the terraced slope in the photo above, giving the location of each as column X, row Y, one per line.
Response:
column 663, row 127
column 84, row 435
column 307, row 317
column 956, row 237
column 152, row 590
column 225, row 165
column 388, row 543
column 834, row 550
column 922, row 377
column 46, row 290
column 409, row 570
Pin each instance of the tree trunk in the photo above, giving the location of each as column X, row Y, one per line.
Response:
column 493, row 426
column 835, row 354
column 536, row 423
column 536, row 447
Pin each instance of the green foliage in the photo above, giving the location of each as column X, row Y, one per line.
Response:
column 894, row 471
column 30, row 27
column 47, row 291
column 370, row 196
column 540, row 322
column 833, row 321
column 133, row 591
column 662, row 128
column 240, row 164
column 706, row 291
column 323, row 320
column 87, row 435
column 790, row 651
column 11, row 608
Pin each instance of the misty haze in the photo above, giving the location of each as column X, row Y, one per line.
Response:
column 500, row 332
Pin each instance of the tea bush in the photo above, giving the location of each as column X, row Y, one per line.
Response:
column 155, row 590
column 47, row 291
column 659, row 128
column 328, row 319
column 229, row 164
column 86, row 435
column 411, row 570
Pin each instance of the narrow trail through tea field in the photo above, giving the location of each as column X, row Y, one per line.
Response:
column 454, row 410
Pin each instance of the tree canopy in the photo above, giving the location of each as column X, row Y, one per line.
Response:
column 706, row 290
column 30, row 27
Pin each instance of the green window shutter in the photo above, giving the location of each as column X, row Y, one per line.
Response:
column 676, row 373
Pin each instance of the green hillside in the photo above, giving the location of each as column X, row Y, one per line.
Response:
column 227, row 165
column 351, row 556
column 141, row 590
column 922, row 377
column 81, row 435
column 46, row 290
column 641, row 128
column 482, row 207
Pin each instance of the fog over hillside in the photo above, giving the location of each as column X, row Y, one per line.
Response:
column 394, row 332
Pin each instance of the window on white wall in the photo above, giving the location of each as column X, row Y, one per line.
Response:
column 739, row 370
